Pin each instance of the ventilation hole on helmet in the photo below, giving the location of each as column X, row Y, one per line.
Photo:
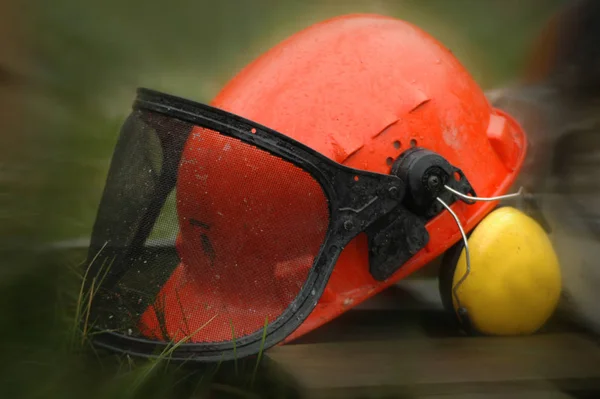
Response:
column 355, row 178
column 389, row 161
column 396, row 144
column 253, row 130
column 456, row 176
column 413, row 142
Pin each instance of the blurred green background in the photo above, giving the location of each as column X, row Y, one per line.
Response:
column 88, row 58
column 69, row 70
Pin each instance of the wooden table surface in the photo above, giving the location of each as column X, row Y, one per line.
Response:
column 400, row 344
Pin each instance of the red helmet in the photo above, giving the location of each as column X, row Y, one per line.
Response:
column 308, row 186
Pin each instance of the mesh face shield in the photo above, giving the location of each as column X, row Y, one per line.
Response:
column 214, row 232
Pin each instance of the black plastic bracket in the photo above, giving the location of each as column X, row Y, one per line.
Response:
column 398, row 236
column 393, row 240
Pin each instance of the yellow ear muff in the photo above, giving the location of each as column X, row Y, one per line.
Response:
column 514, row 284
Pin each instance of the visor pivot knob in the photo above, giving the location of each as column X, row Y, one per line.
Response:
column 426, row 173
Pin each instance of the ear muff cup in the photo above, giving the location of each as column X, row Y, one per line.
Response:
column 515, row 283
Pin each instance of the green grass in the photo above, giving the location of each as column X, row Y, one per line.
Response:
column 69, row 366
column 260, row 353
column 85, row 62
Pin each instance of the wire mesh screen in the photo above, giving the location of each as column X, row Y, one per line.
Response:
column 200, row 235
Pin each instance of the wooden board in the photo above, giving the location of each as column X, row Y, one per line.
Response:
column 390, row 347
column 401, row 344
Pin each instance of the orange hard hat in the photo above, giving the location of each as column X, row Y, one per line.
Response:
column 307, row 186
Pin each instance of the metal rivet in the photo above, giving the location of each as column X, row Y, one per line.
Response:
column 433, row 182
column 348, row 225
column 394, row 192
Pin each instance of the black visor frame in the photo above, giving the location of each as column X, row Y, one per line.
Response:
column 356, row 199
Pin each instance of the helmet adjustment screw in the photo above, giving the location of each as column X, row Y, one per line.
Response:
column 433, row 182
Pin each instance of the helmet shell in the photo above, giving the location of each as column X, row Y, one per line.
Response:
column 361, row 89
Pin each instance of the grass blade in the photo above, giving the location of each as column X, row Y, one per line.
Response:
column 260, row 352
column 163, row 355
column 80, row 297
column 87, row 315
column 235, row 360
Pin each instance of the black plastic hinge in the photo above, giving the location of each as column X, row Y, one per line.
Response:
column 426, row 174
column 398, row 236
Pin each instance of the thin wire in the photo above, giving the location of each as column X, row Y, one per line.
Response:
column 498, row 198
column 468, row 255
